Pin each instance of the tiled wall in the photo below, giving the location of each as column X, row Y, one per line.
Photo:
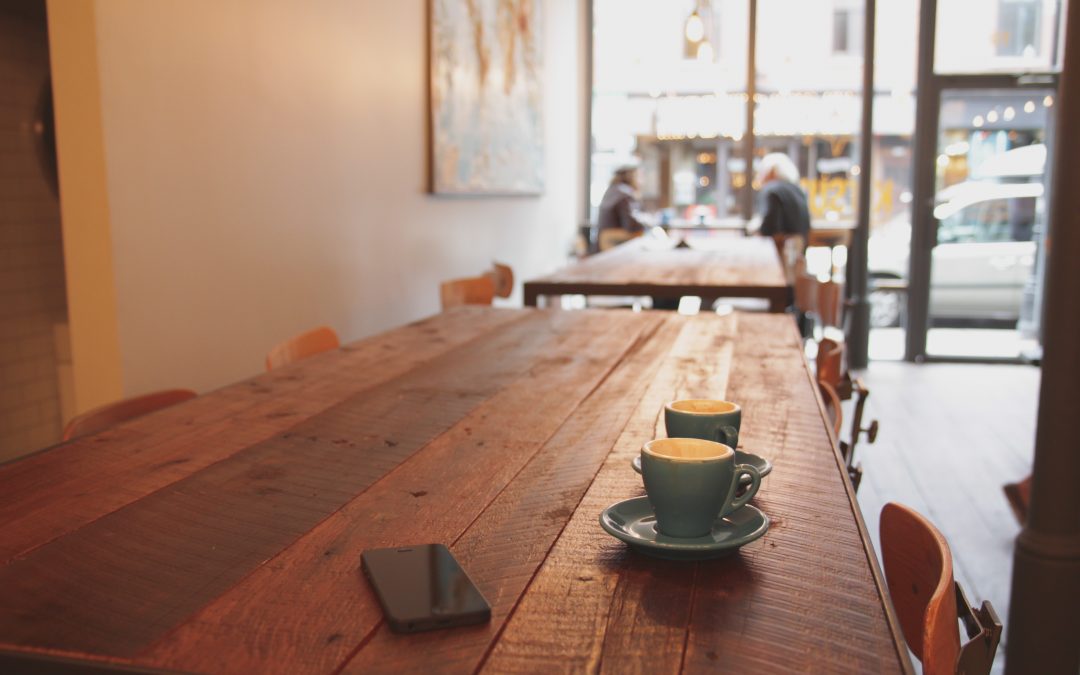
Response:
column 32, row 299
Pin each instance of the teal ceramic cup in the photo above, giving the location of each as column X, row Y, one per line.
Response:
column 691, row 482
column 704, row 418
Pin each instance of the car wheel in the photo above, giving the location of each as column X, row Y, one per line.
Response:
column 885, row 308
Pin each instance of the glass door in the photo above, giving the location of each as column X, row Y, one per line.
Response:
column 988, row 77
column 989, row 210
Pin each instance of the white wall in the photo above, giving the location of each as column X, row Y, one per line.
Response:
column 266, row 165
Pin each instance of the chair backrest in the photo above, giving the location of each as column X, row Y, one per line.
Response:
column 830, row 303
column 467, row 291
column 309, row 343
column 830, row 362
column 791, row 249
column 503, row 278
column 105, row 416
column 919, row 573
column 806, row 293
column 832, row 406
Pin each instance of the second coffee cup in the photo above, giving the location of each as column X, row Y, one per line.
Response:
column 707, row 419
column 690, row 483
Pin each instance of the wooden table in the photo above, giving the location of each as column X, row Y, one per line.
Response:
column 224, row 535
column 711, row 268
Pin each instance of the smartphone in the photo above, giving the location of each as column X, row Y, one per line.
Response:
column 423, row 587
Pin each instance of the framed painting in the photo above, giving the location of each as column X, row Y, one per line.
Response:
column 486, row 97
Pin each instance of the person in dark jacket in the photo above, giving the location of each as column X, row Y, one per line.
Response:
column 617, row 219
column 784, row 208
column 785, row 216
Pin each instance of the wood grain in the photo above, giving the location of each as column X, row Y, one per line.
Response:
column 51, row 493
column 801, row 597
column 504, row 439
column 713, row 267
column 504, row 547
column 432, row 499
column 811, row 594
column 561, row 623
column 120, row 582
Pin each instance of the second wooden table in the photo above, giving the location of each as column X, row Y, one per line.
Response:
column 710, row 268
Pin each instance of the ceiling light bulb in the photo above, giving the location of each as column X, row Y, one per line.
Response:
column 705, row 51
column 695, row 27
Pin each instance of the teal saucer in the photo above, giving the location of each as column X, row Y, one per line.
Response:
column 632, row 520
column 763, row 465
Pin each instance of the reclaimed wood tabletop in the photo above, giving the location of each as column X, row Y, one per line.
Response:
column 710, row 267
column 224, row 534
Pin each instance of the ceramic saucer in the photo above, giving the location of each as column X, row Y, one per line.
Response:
column 632, row 520
column 763, row 465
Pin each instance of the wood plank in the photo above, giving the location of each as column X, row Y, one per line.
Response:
column 806, row 594
column 117, row 584
column 48, row 494
column 434, row 498
column 918, row 407
column 561, row 623
column 505, row 546
column 566, row 625
column 712, row 267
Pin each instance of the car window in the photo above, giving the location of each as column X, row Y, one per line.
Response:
column 992, row 220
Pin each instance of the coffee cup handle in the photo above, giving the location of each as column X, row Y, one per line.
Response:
column 755, row 483
column 728, row 435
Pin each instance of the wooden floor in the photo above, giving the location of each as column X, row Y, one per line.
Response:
column 951, row 436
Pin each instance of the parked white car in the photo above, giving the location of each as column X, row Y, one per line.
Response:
column 985, row 251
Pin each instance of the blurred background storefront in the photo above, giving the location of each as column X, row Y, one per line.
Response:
column 697, row 91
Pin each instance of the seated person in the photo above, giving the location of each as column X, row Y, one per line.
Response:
column 784, row 213
column 618, row 219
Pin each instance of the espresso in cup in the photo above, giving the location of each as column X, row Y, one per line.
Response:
column 704, row 418
column 691, row 482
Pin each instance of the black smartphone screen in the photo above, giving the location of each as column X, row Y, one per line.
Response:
column 423, row 587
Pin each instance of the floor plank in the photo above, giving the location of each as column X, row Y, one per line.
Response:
column 951, row 436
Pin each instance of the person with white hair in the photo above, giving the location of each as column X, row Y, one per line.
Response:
column 617, row 219
column 784, row 208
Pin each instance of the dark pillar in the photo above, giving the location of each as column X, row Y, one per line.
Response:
column 923, row 226
column 859, row 328
column 1043, row 629
column 746, row 197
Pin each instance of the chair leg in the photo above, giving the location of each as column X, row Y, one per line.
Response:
column 855, row 474
column 861, row 394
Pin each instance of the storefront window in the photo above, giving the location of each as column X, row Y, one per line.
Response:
column 669, row 94
column 1001, row 36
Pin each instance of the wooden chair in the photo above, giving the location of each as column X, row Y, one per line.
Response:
column 929, row 602
column 830, row 303
column 832, row 406
column 503, row 277
column 467, row 291
column 105, row 416
column 805, row 292
column 309, row 343
column 832, row 369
